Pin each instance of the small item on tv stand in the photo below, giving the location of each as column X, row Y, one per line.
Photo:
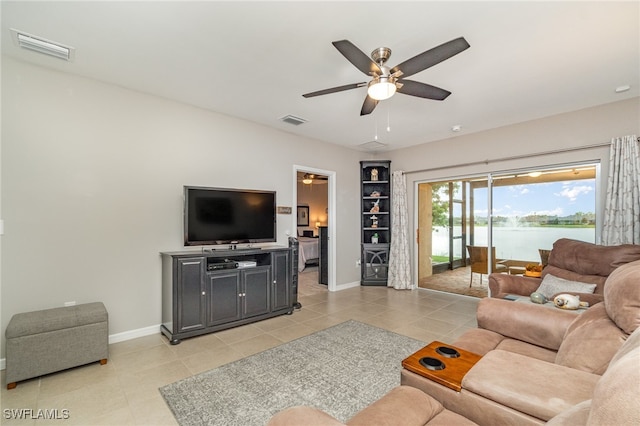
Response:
column 246, row 264
column 226, row 264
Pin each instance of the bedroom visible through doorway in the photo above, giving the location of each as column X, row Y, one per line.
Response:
column 312, row 216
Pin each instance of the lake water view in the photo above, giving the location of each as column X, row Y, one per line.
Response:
column 519, row 243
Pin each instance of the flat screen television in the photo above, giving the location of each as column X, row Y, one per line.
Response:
column 228, row 216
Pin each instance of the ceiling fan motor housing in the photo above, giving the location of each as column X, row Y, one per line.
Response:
column 381, row 55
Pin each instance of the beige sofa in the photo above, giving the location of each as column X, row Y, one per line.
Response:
column 571, row 260
column 403, row 405
column 543, row 364
column 611, row 399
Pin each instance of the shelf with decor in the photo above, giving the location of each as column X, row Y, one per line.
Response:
column 375, row 221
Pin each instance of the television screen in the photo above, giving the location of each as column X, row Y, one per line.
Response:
column 228, row 216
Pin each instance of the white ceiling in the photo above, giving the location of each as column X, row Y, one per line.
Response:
column 254, row 60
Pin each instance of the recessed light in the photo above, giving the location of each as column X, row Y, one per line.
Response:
column 624, row 88
column 456, row 128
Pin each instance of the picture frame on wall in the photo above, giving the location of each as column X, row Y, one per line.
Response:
column 303, row 216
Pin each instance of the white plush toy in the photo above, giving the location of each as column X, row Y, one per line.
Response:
column 569, row 301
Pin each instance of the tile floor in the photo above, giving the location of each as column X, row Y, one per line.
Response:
column 125, row 390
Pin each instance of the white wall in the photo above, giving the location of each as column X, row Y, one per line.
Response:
column 592, row 126
column 92, row 178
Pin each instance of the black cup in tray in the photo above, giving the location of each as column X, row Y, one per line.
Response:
column 447, row 352
column 431, row 363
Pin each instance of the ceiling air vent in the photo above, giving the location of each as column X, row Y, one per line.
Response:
column 373, row 146
column 41, row 45
column 292, row 119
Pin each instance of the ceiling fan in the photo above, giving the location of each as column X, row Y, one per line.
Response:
column 310, row 178
column 386, row 81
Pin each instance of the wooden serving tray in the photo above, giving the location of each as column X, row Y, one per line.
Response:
column 454, row 368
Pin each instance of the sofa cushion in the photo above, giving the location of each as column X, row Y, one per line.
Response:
column 615, row 398
column 551, row 285
column 576, row 415
column 590, row 341
column 591, row 259
column 523, row 384
column 478, row 340
column 622, row 296
column 529, row 322
column 402, row 404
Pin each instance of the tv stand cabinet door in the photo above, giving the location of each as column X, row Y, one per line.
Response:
column 223, row 297
column 190, row 294
column 255, row 298
column 281, row 280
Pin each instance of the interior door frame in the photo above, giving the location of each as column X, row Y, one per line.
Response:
column 331, row 215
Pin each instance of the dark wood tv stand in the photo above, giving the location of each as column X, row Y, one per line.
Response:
column 200, row 295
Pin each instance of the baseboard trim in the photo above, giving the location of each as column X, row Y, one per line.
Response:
column 115, row 338
column 347, row 285
column 134, row 334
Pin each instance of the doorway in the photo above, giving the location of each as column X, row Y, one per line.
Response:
column 314, row 197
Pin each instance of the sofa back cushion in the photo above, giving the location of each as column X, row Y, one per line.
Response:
column 591, row 341
column 591, row 259
column 622, row 296
column 615, row 399
column 588, row 263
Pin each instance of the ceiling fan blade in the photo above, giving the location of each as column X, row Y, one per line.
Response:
column 368, row 106
column 334, row 89
column 422, row 90
column 432, row 57
column 357, row 57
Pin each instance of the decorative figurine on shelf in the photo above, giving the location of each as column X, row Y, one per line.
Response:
column 375, row 194
column 374, row 238
column 374, row 222
column 376, row 207
column 374, row 174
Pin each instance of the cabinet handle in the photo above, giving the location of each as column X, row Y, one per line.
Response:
column 203, row 293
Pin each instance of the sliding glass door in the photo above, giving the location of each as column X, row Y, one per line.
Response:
column 520, row 214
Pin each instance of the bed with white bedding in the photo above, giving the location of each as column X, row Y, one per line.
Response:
column 307, row 252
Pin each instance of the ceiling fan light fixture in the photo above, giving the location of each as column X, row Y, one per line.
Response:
column 381, row 88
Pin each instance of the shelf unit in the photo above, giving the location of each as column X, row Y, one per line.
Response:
column 375, row 184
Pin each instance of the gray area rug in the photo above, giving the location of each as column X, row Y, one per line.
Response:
column 340, row 370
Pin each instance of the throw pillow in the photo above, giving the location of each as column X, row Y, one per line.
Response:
column 551, row 285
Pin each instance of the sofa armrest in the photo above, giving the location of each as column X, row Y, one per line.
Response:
column 538, row 388
column 503, row 284
column 295, row 416
column 531, row 323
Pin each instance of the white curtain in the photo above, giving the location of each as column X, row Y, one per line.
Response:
column 622, row 205
column 399, row 263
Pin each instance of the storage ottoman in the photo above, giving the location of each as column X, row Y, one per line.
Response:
column 43, row 342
